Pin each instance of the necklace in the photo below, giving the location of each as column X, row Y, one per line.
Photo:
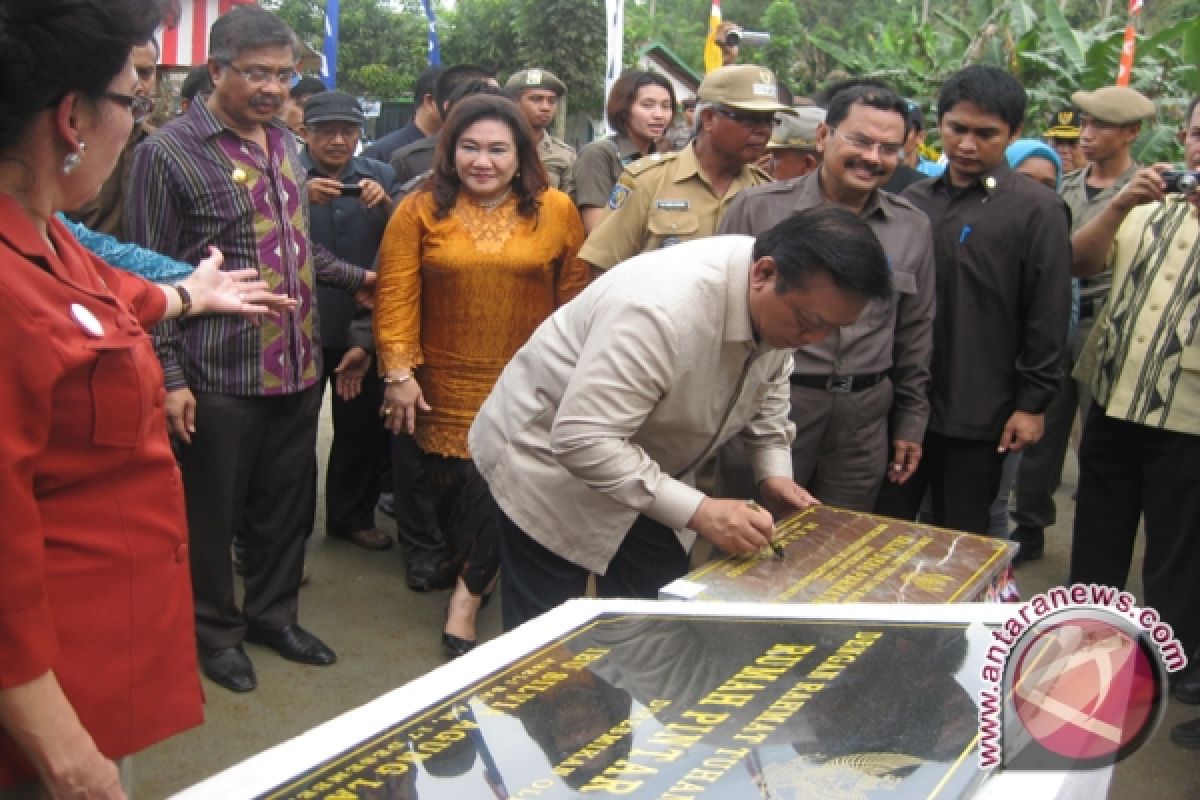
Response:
column 488, row 205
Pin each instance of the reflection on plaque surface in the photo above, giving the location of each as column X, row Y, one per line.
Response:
column 670, row 706
column 832, row 555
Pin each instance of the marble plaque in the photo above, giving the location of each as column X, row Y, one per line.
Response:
column 682, row 706
column 831, row 555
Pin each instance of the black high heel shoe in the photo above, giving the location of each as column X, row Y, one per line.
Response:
column 456, row 646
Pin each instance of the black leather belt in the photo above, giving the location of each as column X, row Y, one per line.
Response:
column 1089, row 307
column 838, row 384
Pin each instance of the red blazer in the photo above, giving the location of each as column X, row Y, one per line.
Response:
column 94, row 576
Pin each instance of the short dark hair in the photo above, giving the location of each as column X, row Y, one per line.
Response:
column 197, row 82
column 425, row 83
column 870, row 96
column 475, row 86
column 1191, row 111
column 530, row 180
column 825, row 94
column 244, row 28
column 453, row 77
column 153, row 42
column 307, row 86
column 831, row 240
column 624, row 92
column 993, row 89
column 51, row 48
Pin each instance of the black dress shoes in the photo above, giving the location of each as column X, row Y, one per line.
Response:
column 457, row 646
column 229, row 667
column 1187, row 688
column 426, row 572
column 368, row 539
column 1032, row 543
column 295, row 644
column 1187, row 734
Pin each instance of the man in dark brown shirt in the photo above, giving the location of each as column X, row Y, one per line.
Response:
column 1001, row 246
column 845, row 388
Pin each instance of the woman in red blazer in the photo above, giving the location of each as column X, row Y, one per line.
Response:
column 97, row 650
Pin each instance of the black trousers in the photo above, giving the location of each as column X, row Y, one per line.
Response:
column 962, row 476
column 1127, row 473
column 417, row 528
column 251, row 467
column 534, row 580
column 357, row 455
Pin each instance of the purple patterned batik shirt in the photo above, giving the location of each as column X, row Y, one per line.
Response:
column 195, row 184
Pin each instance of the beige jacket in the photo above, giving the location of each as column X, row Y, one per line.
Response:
column 606, row 411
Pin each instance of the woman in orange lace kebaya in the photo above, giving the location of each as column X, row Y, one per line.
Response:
column 469, row 266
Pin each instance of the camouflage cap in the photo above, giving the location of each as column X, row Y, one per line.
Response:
column 746, row 87
column 534, row 79
column 797, row 132
column 1063, row 125
column 1116, row 105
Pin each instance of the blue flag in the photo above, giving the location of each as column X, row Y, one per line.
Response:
column 435, row 52
column 329, row 57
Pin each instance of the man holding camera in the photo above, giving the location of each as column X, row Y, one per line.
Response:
column 350, row 202
column 1140, row 453
column 1110, row 119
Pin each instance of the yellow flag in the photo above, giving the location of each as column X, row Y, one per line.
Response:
column 712, row 53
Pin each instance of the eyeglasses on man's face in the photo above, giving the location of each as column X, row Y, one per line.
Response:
column 258, row 76
column 865, row 144
column 139, row 105
column 750, row 119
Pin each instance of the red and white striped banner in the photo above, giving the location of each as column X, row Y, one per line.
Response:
column 1125, row 67
column 186, row 44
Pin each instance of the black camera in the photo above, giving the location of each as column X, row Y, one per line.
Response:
column 736, row 38
column 1181, row 181
column 351, row 190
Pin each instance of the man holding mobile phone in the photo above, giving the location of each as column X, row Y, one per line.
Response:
column 350, row 202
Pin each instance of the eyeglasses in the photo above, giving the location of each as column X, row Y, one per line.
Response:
column 257, row 76
column 748, row 118
column 866, row 145
column 139, row 105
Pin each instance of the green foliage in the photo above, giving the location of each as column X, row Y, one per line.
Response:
column 1053, row 46
column 567, row 37
column 381, row 46
column 1049, row 54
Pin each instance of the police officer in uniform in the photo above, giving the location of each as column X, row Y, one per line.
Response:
column 667, row 198
column 792, row 151
column 537, row 92
column 1063, row 135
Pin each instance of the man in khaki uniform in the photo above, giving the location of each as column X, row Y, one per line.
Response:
column 1110, row 120
column 846, row 389
column 537, row 92
column 792, row 151
column 667, row 198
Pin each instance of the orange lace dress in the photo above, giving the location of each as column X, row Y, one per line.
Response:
column 457, row 297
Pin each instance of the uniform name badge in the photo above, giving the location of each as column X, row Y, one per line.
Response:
column 672, row 205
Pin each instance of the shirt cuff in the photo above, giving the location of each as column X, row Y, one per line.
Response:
column 771, row 463
column 30, row 647
column 675, row 504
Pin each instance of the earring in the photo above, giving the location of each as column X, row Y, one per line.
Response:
column 73, row 160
